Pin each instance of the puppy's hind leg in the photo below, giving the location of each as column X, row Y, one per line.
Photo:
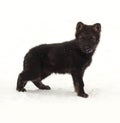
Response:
column 37, row 82
column 21, row 82
column 24, row 77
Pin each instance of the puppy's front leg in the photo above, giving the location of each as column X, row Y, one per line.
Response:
column 79, row 84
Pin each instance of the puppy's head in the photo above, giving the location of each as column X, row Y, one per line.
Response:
column 87, row 36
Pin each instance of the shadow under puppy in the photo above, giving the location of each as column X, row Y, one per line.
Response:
column 71, row 57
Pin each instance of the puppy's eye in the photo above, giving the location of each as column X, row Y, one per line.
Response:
column 93, row 38
column 80, row 37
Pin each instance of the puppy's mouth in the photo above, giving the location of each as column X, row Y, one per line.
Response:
column 87, row 50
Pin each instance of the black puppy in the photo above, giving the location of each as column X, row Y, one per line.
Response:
column 69, row 57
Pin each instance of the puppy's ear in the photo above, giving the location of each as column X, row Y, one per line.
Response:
column 79, row 26
column 97, row 27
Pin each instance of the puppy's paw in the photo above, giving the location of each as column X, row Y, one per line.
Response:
column 84, row 95
column 21, row 90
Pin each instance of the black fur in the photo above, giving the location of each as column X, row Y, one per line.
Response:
column 71, row 57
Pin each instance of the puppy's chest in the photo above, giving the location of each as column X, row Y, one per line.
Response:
column 80, row 62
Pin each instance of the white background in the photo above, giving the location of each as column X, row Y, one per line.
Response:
column 27, row 23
